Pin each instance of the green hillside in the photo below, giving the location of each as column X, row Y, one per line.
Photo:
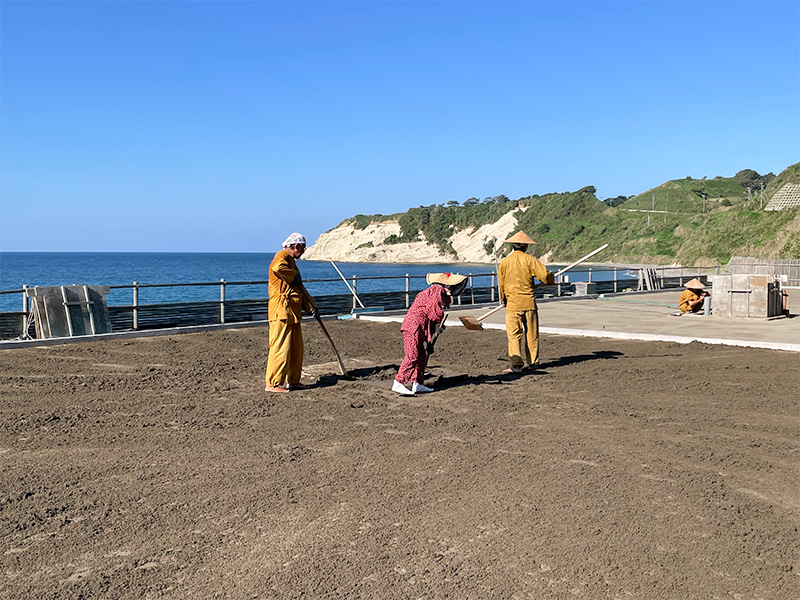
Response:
column 686, row 221
column 704, row 195
column 789, row 175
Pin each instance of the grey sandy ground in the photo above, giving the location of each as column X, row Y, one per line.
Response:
column 158, row 468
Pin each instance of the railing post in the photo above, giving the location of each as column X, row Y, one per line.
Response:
column 558, row 286
column 408, row 290
column 24, row 311
column 135, row 305
column 615, row 280
column 471, row 290
column 680, row 277
column 221, row 300
column 355, row 291
column 590, row 274
column 492, row 296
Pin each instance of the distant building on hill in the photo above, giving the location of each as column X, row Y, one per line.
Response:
column 786, row 197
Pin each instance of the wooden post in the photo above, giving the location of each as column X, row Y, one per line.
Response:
column 135, row 305
column 221, row 300
column 25, row 311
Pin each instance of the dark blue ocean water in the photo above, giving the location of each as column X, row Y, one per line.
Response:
column 110, row 268
column 100, row 268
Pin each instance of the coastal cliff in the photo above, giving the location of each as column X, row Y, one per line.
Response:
column 687, row 222
column 347, row 242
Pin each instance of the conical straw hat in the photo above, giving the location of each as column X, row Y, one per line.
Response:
column 694, row 284
column 445, row 278
column 519, row 238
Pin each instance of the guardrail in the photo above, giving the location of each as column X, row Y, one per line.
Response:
column 481, row 289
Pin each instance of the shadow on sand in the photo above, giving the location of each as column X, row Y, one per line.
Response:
column 445, row 382
column 453, row 381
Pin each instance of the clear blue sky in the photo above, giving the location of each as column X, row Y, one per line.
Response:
column 224, row 126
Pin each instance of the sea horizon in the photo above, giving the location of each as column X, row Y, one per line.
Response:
column 119, row 270
column 48, row 268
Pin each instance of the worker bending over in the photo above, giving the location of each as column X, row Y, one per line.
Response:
column 693, row 297
column 419, row 326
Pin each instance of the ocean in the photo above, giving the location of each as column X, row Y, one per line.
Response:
column 123, row 268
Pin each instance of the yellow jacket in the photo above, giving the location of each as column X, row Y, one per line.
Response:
column 686, row 296
column 287, row 295
column 515, row 278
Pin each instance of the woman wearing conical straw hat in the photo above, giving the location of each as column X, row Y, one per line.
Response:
column 692, row 298
column 515, row 277
column 419, row 325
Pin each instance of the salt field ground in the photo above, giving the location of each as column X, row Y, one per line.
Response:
column 157, row 467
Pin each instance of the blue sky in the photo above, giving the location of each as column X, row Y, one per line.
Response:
column 224, row 126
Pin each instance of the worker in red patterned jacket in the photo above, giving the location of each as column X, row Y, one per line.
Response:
column 419, row 325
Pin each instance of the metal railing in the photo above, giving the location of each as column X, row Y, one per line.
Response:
column 481, row 289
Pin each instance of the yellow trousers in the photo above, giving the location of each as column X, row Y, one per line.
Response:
column 285, row 362
column 522, row 329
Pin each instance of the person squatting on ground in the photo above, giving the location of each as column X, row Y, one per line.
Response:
column 515, row 281
column 287, row 297
column 419, row 326
column 692, row 298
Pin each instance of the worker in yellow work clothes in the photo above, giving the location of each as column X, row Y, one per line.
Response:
column 287, row 297
column 515, row 279
column 692, row 298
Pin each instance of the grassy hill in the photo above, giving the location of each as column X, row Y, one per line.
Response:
column 708, row 220
column 686, row 221
column 789, row 175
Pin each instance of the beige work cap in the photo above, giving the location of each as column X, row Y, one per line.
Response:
column 445, row 278
column 519, row 238
column 694, row 284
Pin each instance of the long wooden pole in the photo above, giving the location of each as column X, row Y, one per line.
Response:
column 352, row 291
column 580, row 260
column 342, row 370
column 491, row 312
column 567, row 268
column 437, row 333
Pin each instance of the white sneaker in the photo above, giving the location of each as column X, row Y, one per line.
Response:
column 418, row 388
column 401, row 389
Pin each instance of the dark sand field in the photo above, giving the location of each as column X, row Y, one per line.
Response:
column 159, row 468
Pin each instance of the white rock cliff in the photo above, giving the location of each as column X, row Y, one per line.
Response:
column 347, row 244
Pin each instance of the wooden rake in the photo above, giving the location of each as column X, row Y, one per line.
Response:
column 342, row 370
column 474, row 323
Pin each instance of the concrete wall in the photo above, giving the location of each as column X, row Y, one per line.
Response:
column 790, row 267
column 749, row 296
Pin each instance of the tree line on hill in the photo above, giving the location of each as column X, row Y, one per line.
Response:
column 687, row 221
